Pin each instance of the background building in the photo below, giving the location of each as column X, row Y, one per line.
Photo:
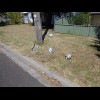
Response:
column 95, row 18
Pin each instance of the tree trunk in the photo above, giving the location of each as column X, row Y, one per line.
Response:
column 48, row 17
column 32, row 18
column 38, row 28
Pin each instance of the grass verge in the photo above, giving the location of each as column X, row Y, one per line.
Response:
column 83, row 68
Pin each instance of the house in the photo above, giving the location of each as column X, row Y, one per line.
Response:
column 27, row 17
column 95, row 19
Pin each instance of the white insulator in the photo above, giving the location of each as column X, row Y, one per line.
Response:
column 51, row 50
column 68, row 56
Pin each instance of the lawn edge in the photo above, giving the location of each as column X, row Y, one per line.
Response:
column 26, row 62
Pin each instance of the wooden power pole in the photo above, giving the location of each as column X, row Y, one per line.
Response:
column 37, row 22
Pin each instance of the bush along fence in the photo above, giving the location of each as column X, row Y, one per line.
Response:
column 62, row 26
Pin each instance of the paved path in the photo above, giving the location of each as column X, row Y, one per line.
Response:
column 12, row 75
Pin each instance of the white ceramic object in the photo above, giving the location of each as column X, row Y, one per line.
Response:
column 51, row 50
column 50, row 34
column 68, row 56
column 34, row 15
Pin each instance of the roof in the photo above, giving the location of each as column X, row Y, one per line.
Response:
column 95, row 13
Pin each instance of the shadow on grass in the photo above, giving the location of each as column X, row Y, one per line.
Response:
column 97, row 31
column 2, row 24
column 43, row 36
column 97, row 42
column 97, row 47
column 47, row 27
column 98, row 55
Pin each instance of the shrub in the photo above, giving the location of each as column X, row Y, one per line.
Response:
column 2, row 23
column 16, row 17
column 81, row 18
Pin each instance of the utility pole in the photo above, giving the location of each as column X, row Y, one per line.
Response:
column 38, row 29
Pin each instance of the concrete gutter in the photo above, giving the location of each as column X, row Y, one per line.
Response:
column 29, row 65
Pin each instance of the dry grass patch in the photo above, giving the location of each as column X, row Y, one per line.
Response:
column 83, row 68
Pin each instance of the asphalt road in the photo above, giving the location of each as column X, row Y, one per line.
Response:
column 12, row 75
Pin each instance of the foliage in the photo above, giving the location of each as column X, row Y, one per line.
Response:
column 3, row 13
column 15, row 17
column 82, row 18
column 3, row 18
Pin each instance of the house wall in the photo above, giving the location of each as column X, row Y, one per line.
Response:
column 95, row 20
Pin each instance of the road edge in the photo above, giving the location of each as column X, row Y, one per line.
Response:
column 26, row 62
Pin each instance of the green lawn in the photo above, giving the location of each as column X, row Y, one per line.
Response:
column 83, row 68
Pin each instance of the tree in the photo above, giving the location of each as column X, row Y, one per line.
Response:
column 82, row 18
column 15, row 17
column 48, row 19
column 3, row 13
column 38, row 28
